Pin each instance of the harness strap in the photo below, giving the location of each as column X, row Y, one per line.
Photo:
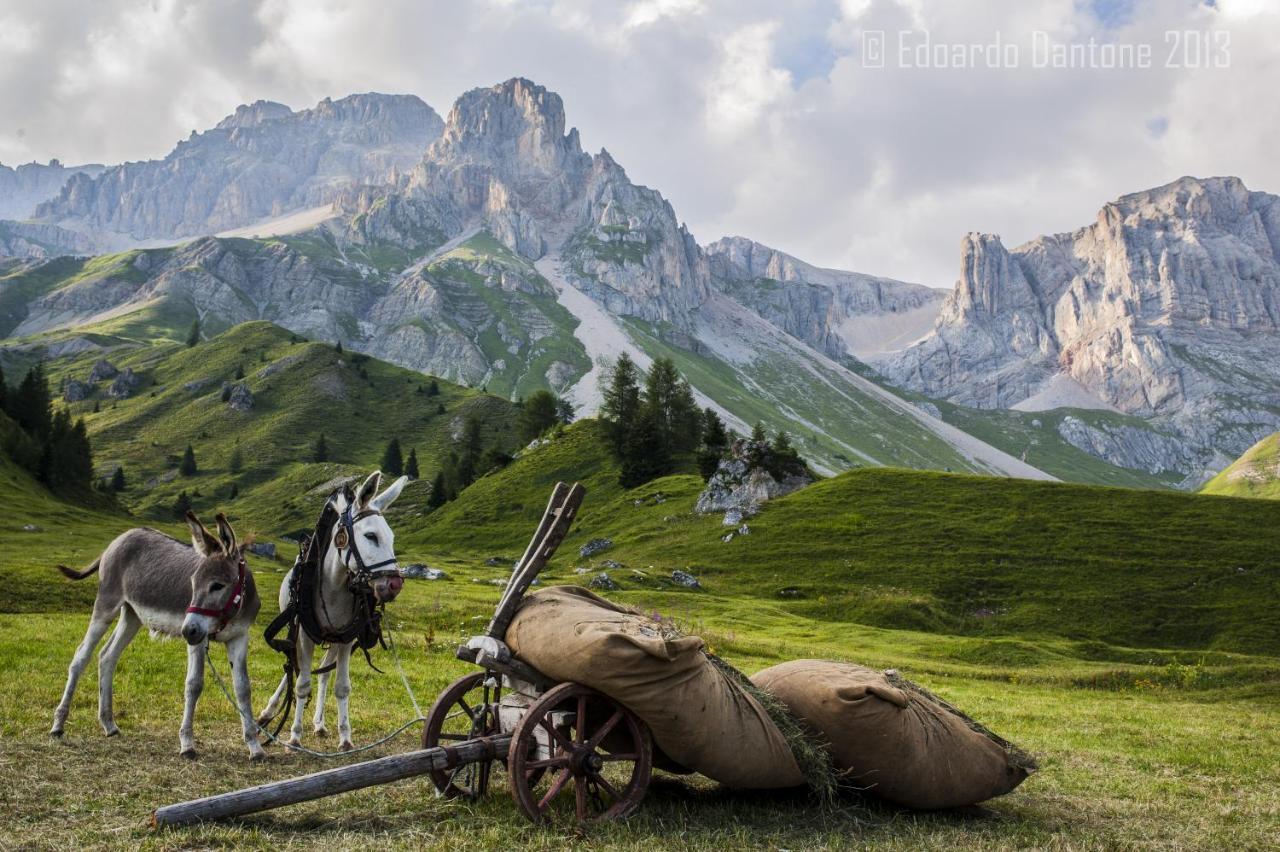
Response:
column 230, row 609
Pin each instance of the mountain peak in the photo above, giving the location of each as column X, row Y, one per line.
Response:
column 516, row 123
column 251, row 115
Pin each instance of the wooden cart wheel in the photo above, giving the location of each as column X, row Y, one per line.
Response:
column 582, row 740
column 462, row 712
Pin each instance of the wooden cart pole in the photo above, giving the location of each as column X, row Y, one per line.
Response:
column 330, row 781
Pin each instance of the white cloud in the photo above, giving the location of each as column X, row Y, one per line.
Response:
column 753, row 117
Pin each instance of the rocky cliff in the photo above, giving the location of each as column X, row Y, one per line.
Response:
column 1166, row 308
column 24, row 187
column 839, row 313
column 262, row 161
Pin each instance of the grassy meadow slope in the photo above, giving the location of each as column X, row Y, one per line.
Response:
column 1254, row 474
column 300, row 389
column 1175, row 745
column 918, row 550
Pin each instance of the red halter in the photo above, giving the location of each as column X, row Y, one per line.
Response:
column 230, row 608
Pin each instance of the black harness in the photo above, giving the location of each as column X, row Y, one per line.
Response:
column 365, row 627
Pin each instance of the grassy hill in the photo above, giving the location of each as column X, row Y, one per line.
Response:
column 300, row 390
column 1254, row 474
column 917, row 550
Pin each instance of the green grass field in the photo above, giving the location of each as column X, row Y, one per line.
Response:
column 1254, row 474
column 1129, row 639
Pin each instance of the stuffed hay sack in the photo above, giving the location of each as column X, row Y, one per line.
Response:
column 895, row 739
column 699, row 717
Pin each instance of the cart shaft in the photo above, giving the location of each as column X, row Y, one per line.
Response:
column 329, row 782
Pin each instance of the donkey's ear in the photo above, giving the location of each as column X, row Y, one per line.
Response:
column 201, row 539
column 386, row 498
column 370, row 488
column 226, row 534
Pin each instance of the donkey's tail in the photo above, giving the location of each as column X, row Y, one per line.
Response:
column 73, row 574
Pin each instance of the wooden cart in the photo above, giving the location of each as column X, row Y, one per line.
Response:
column 568, row 752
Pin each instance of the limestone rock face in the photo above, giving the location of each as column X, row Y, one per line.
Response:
column 38, row 240
column 124, row 384
column 264, row 160
column 24, row 187
column 1166, row 308
column 838, row 313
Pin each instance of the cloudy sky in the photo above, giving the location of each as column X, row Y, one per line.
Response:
column 766, row 119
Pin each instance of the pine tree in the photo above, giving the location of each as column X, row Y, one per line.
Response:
column 440, row 408
column 646, row 454
column 564, row 411
column 471, row 450
column 621, row 400
column 236, row 462
column 434, row 388
column 188, row 465
column 31, row 404
column 411, row 465
column 117, row 479
column 758, row 434
column 193, row 336
column 239, row 372
column 392, row 460
column 320, row 449
column 234, row 491
column 439, row 496
column 714, row 435
column 338, row 348
column 686, row 420
column 182, row 505
column 538, row 414
column 96, row 407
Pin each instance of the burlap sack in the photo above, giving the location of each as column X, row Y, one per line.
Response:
column 698, row 716
column 899, row 744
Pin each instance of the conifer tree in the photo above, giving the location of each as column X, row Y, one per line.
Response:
column 236, row 462
column 439, row 495
column 187, row 467
column 117, row 479
column 411, row 464
column 434, row 388
column 621, row 400
column 538, row 414
column 193, row 335
column 338, row 348
column 392, row 459
column 182, row 505
column 30, row 405
column 320, row 450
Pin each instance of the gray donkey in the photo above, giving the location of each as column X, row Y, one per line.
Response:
column 151, row 580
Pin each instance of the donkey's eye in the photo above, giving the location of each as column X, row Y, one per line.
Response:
column 214, row 587
column 371, row 537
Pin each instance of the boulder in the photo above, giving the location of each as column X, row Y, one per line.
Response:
column 604, row 581
column 241, row 398
column 124, row 384
column 75, row 390
column 418, row 571
column 594, row 546
column 103, row 369
column 750, row 474
column 263, row 548
column 684, row 578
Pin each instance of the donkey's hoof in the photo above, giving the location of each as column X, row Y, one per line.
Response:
column 294, row 742
column 257, row 756
column 190, row 754
column 113, row 731
column 346, row 746
column 56, row 733
column 320, row 731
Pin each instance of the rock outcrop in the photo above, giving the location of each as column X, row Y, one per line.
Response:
column 838, row 313
column 751, row 473
column 262, row 161
column 24, row 187
column 1166, row 308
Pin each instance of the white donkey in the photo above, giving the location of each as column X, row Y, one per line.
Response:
column 150, row 580
column 360, row 550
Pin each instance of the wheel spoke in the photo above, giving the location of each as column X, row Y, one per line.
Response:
column 604, row 730
column 604, row 782
column 556, row 787
column 560, row 760
column 466, row 708
column 559, row 737
column 582, row 719
column 580, row 797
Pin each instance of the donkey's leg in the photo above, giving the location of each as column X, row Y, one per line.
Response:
column 238, row 657
column 195, row 685
column 301, row 689
column 126, row 629
column 273, row 706
column 342, row 691
column 322, row 683
column 99, row 623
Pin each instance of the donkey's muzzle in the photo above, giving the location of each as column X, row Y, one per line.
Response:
column 193, row 633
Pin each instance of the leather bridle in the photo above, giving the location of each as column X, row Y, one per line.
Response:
column 231, row 608
column 345, row 540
